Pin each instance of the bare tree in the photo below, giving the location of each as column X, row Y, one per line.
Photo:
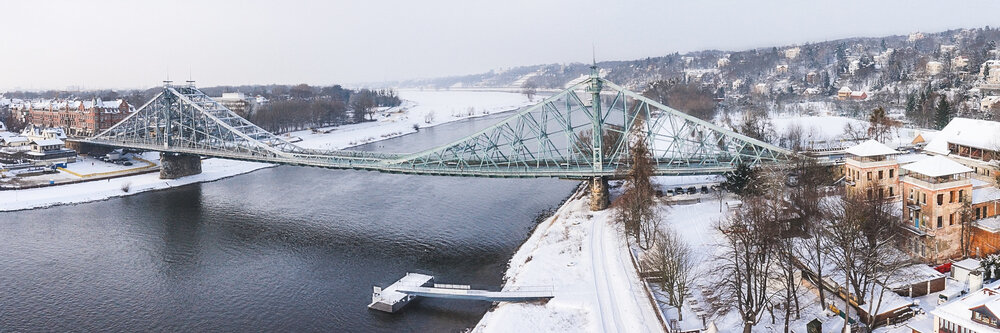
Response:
column 966, row 216
column 672, row 259
column 748, row 257
column 804, row 200
column 529, row 89
column 793, row 135
column 757, row 125
column 880, row 125
column 864, row 237
column 635, row 209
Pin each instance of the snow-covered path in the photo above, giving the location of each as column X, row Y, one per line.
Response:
column 607, row 312
column 583, row 257
column 627, row 297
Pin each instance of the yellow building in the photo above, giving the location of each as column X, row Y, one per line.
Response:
column 872, row 167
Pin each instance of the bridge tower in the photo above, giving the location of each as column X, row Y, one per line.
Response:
column 600, row 199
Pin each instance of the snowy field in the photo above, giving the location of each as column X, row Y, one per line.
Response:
column 445, row 106
column 421, row 108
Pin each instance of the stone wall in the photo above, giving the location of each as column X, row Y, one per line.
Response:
column 173, row 165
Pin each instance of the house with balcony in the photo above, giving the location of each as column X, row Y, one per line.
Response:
column 974, row 143
column 979, row 311
column 935, row 190
column 871, row 167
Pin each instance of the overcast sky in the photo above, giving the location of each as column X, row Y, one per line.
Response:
column 133, row 44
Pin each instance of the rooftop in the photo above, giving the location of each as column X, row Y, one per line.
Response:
column 871, row 148
column 937, row 166
column 958, row 311
column 987, row 194
column 983, row 134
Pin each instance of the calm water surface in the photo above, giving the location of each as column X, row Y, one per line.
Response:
column 280, row 249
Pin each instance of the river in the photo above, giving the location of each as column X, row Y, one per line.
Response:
column 280, row 249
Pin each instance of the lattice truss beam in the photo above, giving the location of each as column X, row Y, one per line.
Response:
column 553, row 138
column 184, row 118
column 556, row 136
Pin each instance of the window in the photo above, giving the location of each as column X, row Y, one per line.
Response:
column 881, row 192
column 978, row 216
column 880, row 174
column 940, row 199
column 961, row 195
column 891, row 190
column 951, row 196
column 951, row 219
column 940, row 222
column 869, row 175
column 891, row 172
column 925, row 197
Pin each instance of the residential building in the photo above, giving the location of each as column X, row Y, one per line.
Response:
column 844, row 93
column 989, row 104
column 960, row 61
column 859, row 95
column 976, row 312
column 934, row 67
column 237, row 102
column 722, row 62
column 972, row 142
column 990, row 71
column 78, row 118
column 793, row 52
column 871, row 168
column 939, row 196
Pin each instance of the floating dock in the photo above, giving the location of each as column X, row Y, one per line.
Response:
column 391, row 300
column 414, row 285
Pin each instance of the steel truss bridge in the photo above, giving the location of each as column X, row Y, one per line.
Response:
column 553, row 138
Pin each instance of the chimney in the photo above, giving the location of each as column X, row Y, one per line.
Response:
column 975, row 281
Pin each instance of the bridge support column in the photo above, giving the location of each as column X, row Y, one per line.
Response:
column 600, row 199
column 174, row 165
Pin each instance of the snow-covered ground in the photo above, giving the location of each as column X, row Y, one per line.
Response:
column 580, row 255
column 421, row 108
column 446, row 106
column 212, row 169
column 828, row 131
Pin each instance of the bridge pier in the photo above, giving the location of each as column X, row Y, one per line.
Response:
column 600, row 199
column 175, row 165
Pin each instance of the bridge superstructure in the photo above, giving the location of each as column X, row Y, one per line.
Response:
column 553, row 138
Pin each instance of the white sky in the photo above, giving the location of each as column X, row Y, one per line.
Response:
column 133, row 44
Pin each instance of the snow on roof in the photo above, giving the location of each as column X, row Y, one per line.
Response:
column 969, row 264
column 871, row 148
column 913, row 274
column 48, row 142
column 937, row 166
column 844, row 89
column 976, row 133
column 928, row 135
column 14, row 138
column 991, row 224
column 981, row 195
column 910, row 158
column 959, row 312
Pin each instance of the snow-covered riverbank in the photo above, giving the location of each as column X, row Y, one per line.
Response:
column 580, row 255
column 443, row 106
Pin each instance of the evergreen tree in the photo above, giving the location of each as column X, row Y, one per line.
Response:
column 743, row 181
column 911, row 106
column 942, row 113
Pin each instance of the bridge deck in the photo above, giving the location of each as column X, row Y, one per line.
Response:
column 480, row 295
